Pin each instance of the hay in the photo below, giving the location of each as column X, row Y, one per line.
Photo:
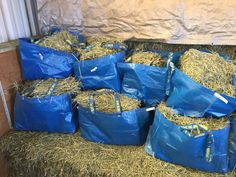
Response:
column 95, row 52
column 95, row 48
column 147, row 58
column 40, row 88
column 144, row 44
column 61, row 41
column 105, row 102
column 60, row 155
column 210, row 70
column 209, row 123
column 99, row 40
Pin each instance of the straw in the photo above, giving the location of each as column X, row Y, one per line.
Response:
column 62, row 155
column 105, row 102
column 144, row 44
column 147, row 58
column 95, row 47
column 210, row 70
column 40, row 88
column 207, row 122
column 99, row 40
column 61, row 41
column 95, row 52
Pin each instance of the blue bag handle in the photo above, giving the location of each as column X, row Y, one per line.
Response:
column 92, row 103
column 52, row 88
column 170, row 70
column 31, row 89
column 210, row 138
column 234, row 81
column 189, row 128
column 210, row 147
column 114, row 46
column 117, row 102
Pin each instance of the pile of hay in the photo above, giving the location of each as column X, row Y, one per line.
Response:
column 62, row 155
column 61, row 41
column 95, row 48
column 105, row 101
column 147, row 58
column 95, row 52
column 210, row 70
column 209, row 123
column 143, row 44
column 99, row 40
column 40, row 88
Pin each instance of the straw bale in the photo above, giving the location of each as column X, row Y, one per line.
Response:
column 62, row 155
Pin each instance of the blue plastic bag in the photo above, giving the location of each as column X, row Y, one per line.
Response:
column 51, row 114
column 232, row 146
column 38, row 62
column 100, row 72
column 172, row 143
column 146, row 83
column 190, row 98
column 121, row 128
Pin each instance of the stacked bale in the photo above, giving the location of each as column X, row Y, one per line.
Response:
column 43, row 154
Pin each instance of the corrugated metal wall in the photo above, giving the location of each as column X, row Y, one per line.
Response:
column 16, row 19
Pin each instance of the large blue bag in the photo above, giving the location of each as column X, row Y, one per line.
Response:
column 121, row 128
column 147, row 83
column 172, row 143
column 232, row 150
column 38, row 62
column 190, row 98
column 50, row 113
column 100, row 72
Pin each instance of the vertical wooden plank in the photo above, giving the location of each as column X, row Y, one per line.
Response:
column 10, row 72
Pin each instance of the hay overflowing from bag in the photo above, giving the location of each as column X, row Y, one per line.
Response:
column 61, row 41
column 96, row 47
column 210, row 70
column 105, row 101
column 147, row 58
column 40, row 88
column 208, row 123
column 99, row 40
column 63, row 155
column 143, row 44
column 95, row 52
